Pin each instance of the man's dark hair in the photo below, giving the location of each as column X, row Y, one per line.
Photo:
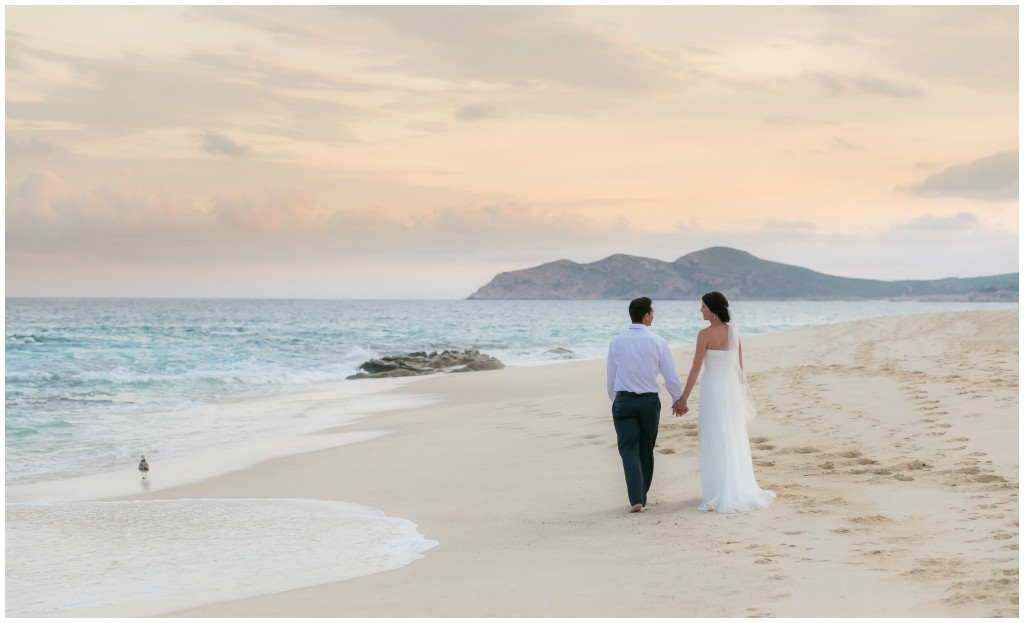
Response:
column 638, row 308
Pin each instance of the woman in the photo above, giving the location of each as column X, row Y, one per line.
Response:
column 726, row 471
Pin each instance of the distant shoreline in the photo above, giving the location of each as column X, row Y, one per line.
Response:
column 735, row 273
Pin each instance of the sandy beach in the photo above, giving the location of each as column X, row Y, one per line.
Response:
column 892, row 445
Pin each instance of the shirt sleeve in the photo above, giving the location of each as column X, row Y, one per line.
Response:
column 668, row 372
column 612, row 369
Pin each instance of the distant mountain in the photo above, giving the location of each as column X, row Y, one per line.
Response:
column 737, row 274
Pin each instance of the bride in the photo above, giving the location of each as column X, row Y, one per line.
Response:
column 726, row 471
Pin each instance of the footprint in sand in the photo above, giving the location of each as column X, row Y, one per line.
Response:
column 932, row 568
column 802, row 450
column 871, row 519
column 916, row 464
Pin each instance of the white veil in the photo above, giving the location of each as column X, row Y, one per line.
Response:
column 747, row 399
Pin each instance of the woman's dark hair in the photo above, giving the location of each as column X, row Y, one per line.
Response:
column 638, row 308
column 718, row 304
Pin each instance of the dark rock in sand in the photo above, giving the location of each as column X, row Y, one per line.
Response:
column 420, row 363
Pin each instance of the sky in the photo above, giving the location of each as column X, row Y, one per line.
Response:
column 415, row 152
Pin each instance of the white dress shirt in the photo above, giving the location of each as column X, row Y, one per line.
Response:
column 635, row 357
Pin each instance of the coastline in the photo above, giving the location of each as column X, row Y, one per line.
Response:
column 297, row 420
column 892, row 444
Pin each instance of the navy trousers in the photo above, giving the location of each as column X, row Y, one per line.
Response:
column 636, row 418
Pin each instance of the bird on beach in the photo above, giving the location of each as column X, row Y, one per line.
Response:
column 144, row 466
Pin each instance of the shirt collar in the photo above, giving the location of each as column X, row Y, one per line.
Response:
column 638, row 325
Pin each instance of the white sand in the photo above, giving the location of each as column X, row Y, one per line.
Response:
column 892, row 444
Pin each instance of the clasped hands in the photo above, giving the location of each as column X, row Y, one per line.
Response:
column 679, row 408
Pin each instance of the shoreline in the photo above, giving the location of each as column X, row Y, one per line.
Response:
column 909, row 496
column 154, row 429
column 312, row 417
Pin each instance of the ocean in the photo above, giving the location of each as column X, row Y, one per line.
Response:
column 203, row 386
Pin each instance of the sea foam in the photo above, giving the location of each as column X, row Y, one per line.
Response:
column 146, row 558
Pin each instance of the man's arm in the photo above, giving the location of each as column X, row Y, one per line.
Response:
column 612, row 370
column 668, row 372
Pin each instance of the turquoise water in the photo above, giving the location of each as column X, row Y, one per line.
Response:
column 93, row 383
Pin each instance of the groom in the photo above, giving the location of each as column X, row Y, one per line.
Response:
column 635, row 357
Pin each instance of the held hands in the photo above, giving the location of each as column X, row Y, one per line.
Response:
column 679, row 408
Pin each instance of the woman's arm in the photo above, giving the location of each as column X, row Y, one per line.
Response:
column 679, row 408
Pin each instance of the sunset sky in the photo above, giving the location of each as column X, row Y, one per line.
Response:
column 415, row 152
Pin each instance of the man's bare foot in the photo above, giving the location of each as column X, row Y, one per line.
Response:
column 636, row 508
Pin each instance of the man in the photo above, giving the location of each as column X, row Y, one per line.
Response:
column 635, row 357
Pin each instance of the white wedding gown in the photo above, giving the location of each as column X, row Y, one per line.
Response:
column 726, row 470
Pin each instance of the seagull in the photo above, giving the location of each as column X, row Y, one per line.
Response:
column 144, row 466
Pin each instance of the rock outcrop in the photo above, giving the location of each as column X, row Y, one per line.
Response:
column 420, row 363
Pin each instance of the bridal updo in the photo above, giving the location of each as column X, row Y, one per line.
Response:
column 718, row 304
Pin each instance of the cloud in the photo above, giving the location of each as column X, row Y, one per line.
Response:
column 781, row 226
column 962, row 221
column 797, row 121
column 304, row 26
column 138, row 92
column 286, row 226
column 839, row 145
column 846, row 145
column 32, row 200
column 862, row 84
column 269, row 212
column 43, row 217
column 515, row 45
column 476, row 112
column 992, row 178
column 216, row 143
column 30, row 146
